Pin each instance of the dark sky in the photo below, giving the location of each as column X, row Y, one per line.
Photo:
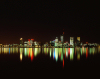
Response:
column 45, row 20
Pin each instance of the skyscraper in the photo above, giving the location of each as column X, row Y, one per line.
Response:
column 62, row 38
column 30, row 42
column 78, row 41
column 56, row 40
column 72, row 41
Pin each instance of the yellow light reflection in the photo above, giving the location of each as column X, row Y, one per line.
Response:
column 47, row 50
column 6, row 50
column 21, row 56
column 93, row 50
column 10, row 50
column 39, row 50
column 0, row 51
column 78, row 56
column 36, row 52
column 99, row 49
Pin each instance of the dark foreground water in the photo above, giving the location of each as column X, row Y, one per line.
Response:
column 44, row 60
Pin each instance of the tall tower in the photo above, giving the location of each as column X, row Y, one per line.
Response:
column 21, row 41
column 62, row 37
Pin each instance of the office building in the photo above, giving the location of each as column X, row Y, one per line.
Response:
column 72, row 41
column 62, row 38
column 25, row 43
column 53, row 43
column 78, row 41
column 30, row 42
column 56, row 40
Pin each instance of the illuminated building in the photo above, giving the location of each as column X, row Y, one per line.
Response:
column 56, row 41
column 14, row 45
column 36, row 44
column 52, row 43
column 65, row 44
column 0, row 45
column 62, row 38
column 56, row 44
column 60, row 44
column 25, row 43
column 78, row 41
column 72, row 41
column 81, row 43
column 78, row 38
column 21, row 41
column 30, row 42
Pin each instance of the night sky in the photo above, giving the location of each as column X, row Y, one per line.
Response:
column 45, row 20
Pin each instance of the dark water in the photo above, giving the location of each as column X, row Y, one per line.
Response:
column 69, row 60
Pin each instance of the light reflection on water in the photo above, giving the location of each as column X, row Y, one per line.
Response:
column 61, row 54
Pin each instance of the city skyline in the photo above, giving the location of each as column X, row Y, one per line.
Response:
column 56, row 43
column 44, row 21
column 71, row 40
column 49, row 36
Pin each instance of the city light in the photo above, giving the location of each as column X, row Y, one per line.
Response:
column 58, row 49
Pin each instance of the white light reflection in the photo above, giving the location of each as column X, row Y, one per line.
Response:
column 71, row 53
column 56, row 54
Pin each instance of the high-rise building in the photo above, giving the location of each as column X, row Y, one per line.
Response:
column 30, row 42
column 56, row 40
column 72, row 41
column 62, row 38
column 21, row 41
column 78, row 41
column 52, row 43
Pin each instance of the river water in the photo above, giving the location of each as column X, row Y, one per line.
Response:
column 21, row 60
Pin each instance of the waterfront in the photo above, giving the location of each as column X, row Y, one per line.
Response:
column 48, row 59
